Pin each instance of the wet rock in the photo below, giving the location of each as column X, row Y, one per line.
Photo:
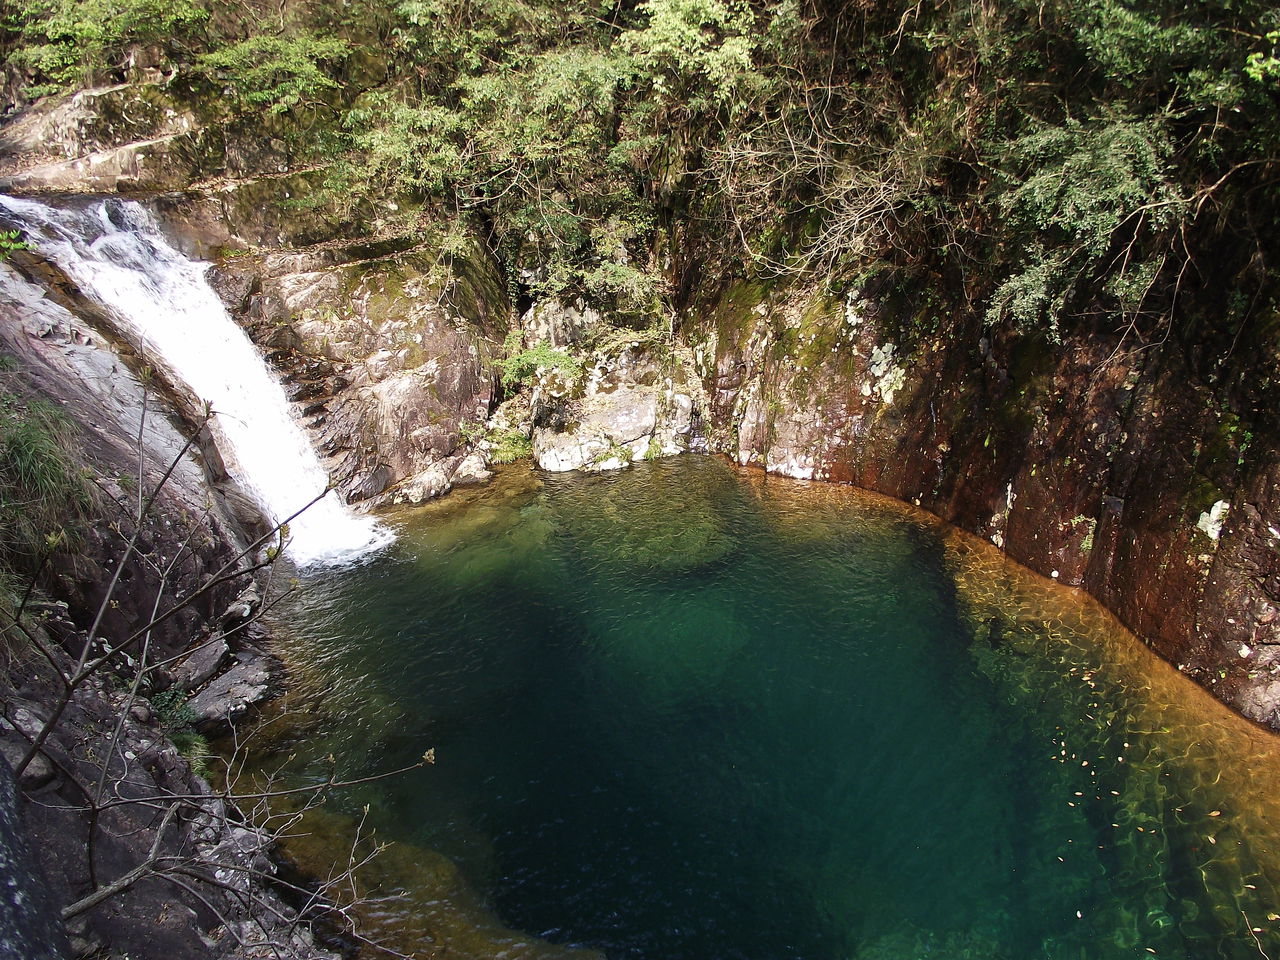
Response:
column 29, row 923
column 374, row 483
column 122, row 424
column 202, row 665
column 244, row 606
column 233, row 285
column 1260, row 701
column 229, row 696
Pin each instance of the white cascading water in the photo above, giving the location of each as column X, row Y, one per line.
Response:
column 165, row 307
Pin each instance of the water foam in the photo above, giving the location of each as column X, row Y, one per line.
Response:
column 163, row 304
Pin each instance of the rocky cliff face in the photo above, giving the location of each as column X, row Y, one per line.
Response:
column 385, row 343
column 389, row 352
column 127, row 432
column 1099, row 463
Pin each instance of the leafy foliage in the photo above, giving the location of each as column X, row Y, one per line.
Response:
column 10, row 242
column 42, row 494
column 508, row 446
column 522, row 365
column 697, row 51
column 177, row 719
column 172, row 710
column 1086, row 194
column 1264, row 65
column 78, row 42
column 278, row 72
column 1094, row 156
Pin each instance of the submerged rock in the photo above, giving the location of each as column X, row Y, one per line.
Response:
column 620, row 523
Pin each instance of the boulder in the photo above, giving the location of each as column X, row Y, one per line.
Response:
column 229, row 697
column 202, row 665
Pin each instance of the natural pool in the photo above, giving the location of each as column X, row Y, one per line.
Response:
column 684, row 711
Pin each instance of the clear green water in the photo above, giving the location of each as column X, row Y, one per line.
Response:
column 680, row 714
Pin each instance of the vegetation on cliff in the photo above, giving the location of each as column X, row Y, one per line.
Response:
column 43, row 496
column 1113, row 161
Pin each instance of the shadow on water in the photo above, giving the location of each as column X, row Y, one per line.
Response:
column 683, row 711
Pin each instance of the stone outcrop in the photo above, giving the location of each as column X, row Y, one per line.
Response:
column 104, row 139
column 221, row 908
column 388, row 350
column 107, row 740
column 124, row 427
column 561, row 324
column 228, row 697
column 634, row 404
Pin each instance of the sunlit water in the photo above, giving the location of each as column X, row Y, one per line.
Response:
column 162, row 303
column 683, row 712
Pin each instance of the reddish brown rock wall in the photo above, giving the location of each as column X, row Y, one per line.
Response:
column 1091, row 461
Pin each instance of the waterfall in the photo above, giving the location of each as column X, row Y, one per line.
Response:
column 162, row 303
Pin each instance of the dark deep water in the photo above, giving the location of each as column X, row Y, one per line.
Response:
column 683, row 713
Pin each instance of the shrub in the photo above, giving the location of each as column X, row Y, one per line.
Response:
column 1077, row 192
column 177, row 720
column 522, row 366
column 74, row 42
column 42, row 491
column 10, row 242
column 508, row 446
column 278, row 72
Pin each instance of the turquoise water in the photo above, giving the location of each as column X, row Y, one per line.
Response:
column 678, row 713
